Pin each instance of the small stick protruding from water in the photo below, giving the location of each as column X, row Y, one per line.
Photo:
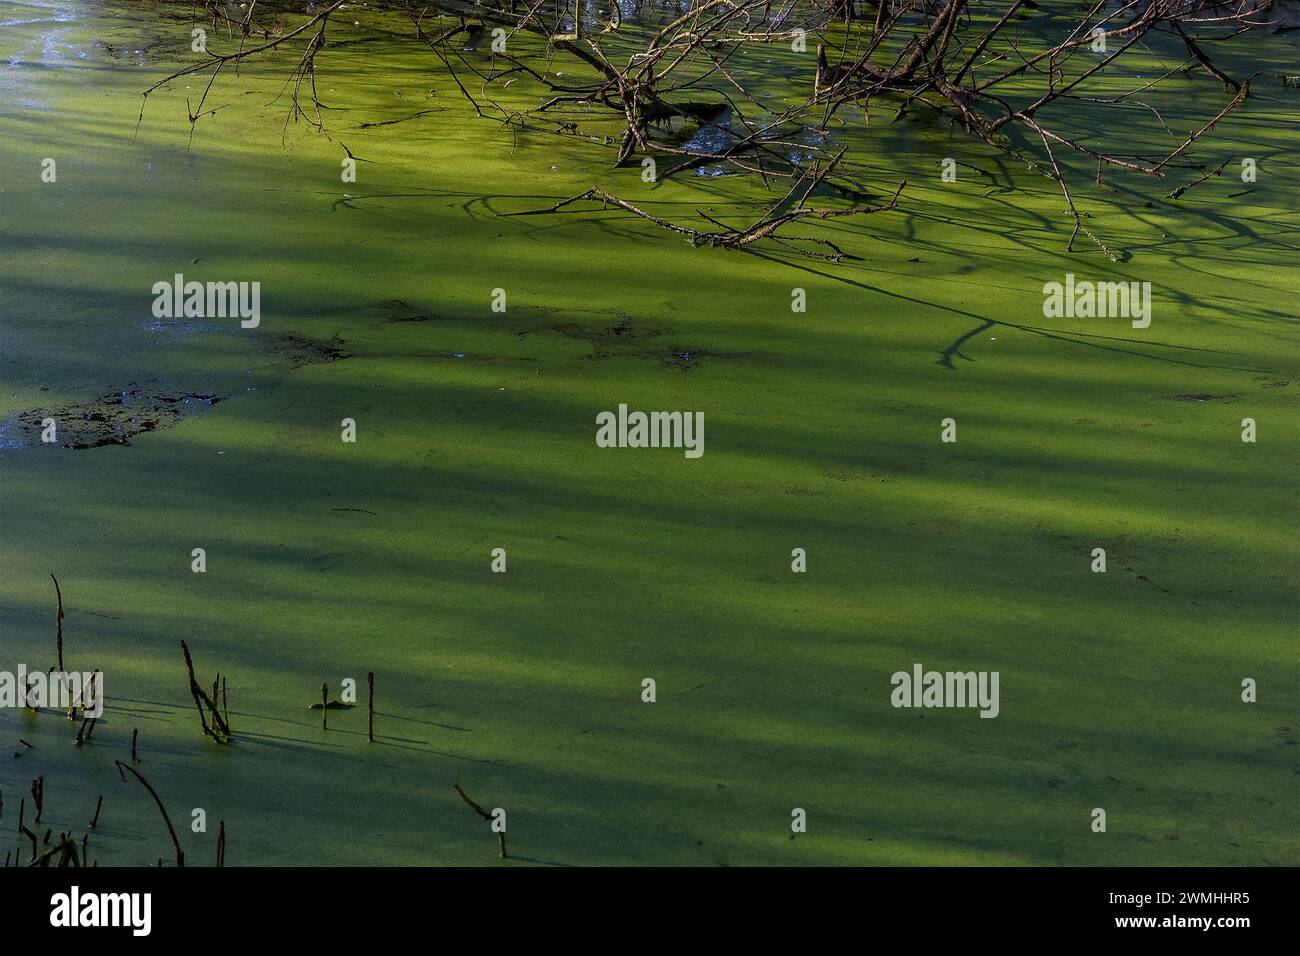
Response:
column 221, row 843
column 370, row 705
column 324, row 704
column 225, row 704
column 180, row 854
column 501, row 835
column 38, row 797
column 220, row 730
column 135, row 736
column 94, row 821
column 23, row 828
column 58, row 622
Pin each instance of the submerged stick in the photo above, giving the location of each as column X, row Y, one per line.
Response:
column 180, row 854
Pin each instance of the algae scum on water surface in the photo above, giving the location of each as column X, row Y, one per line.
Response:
column 952, row 572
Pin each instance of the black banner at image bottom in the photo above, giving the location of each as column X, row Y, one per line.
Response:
column 330, row 907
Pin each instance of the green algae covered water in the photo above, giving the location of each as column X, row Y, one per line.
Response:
column 475, row 430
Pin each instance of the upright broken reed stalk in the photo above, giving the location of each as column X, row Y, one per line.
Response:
column 58, row 622
column 219, row 730
column 324, row 705
column 370, row 706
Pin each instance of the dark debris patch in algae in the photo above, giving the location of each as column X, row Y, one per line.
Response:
column 400, row 311
column 297, row 351
column 149, row 406
column 623, row 340
column 112, row 419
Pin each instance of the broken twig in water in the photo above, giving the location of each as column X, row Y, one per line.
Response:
column 38, row 797
column 501, row 834
column 219, row 730
column 180, row 854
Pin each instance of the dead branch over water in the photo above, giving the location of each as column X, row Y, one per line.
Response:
column 993, row 69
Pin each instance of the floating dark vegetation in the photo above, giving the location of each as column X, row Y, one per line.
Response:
column 400, row 311
column 121, row 414
column 112, row 419
column 298, row 350
column 623, row 340
column 1203, row 398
